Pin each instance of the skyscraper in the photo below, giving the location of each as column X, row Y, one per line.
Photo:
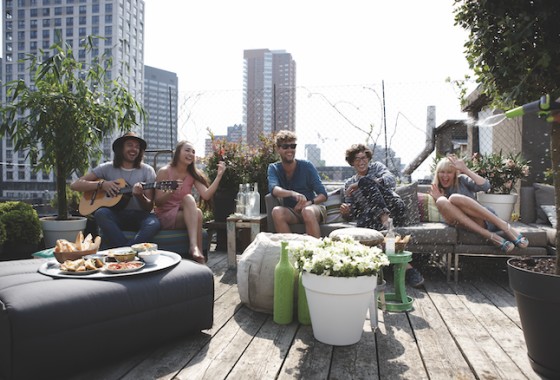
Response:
column 269, row 102
column 160, row 102
column 30, row 26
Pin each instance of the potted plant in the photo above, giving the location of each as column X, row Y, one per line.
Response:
column 22, row 229
column 339, row 277
column 503, row 172
column 515, row 64
column 244, row 164
column 61, row 119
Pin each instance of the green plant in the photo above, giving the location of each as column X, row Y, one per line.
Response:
column 338, row 258
column 3, row 234
column 73, row 198
column 21, row 222
column 244, row 164
column 502, row 171
column 60, row 120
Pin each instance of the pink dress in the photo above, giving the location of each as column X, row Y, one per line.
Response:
column 167, row 213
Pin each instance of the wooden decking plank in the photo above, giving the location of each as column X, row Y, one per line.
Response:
column 502, row 299
column 265, row 355
column 307, row 358
column 398, row 353
column 442, row 358
column 506, row 333
column 485, row 356
column 356, row 361
column 218, row 357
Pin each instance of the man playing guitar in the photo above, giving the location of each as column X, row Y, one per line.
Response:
column 135, row 214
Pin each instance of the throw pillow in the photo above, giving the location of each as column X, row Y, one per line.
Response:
column 408, row 195
column 333, row 207
column 544, row 195
column 427, row 208
column 550, row 211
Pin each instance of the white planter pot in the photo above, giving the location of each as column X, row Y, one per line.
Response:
column 501, row 203
column 338, row 306
column 61, row 229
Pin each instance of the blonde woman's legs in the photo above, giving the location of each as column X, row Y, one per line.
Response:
column 463, row 214
column 192, row 218
column 480, row 213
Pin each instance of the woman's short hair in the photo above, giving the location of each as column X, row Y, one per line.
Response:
column 354, row 150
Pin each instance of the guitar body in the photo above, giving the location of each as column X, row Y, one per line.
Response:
column 92, row 200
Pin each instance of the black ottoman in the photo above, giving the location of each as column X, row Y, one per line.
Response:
column 50, row 327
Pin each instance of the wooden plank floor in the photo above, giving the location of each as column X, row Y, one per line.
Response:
column 465, row 331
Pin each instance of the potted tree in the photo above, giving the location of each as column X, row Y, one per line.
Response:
column 61, row 119
column 513, row 50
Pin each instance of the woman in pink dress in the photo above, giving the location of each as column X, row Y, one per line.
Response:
column 178, row 208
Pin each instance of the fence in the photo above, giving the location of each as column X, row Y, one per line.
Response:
column 389, row 116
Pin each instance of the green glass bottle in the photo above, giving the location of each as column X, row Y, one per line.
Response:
column 283, row 288
column 302, row 310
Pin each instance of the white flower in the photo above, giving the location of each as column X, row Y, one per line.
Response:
column 344, row 258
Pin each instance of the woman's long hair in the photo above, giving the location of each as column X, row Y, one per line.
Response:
column 195, row 172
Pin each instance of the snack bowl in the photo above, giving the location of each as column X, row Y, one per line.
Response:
column 73, row 255
column 149, row 257
column 143, row 247
column 122, row 255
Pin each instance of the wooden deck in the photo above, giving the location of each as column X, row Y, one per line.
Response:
column 465, row 331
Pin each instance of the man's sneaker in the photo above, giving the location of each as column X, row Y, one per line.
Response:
column 414, row 278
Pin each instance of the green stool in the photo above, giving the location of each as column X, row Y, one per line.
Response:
column 398, row 301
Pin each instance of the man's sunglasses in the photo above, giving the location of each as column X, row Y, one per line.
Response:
column 286, row 146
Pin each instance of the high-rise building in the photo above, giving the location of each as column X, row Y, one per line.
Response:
column 160, row 102
column 269, row 102
column 32, row 26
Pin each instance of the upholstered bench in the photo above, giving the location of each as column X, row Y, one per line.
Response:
column 53, row 327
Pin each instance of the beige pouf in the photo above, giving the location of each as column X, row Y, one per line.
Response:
column 366, row 236
column 255, row 269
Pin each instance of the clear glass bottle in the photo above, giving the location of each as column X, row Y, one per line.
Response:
column 284, row 272
column 390, row 238
column 255, row 201
column 241, row 201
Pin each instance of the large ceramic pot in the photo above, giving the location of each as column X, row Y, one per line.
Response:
column 338, row 306
column 501, row 203
column 538, row 303
column 62, row 229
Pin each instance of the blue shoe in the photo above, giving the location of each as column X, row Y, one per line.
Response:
column 520, row 240
column 413, row 278
column 506, row 246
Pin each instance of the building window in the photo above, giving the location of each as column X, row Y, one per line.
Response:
column 21, row 35
column 33, row 34
column 69, row 10
column 83, row 20
column 21, row 45
column 69, row 21
column 83, row 9
column 21, row 3
column 82, row 32
column 95, row 8
column 95, row 30
column 95, row 20
column 46, row 2
column 108, row 19
column 46, row 11
column 58, row 11
column 33, row 12
column 69, row 32
column 33, row 24
column 33, row 46
column 46, row 44
column 109, row 8
column 21, row 67
column 46, row 34
column 58, row 22
column 46, row 22
column 108, row 30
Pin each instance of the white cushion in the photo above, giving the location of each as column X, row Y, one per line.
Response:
column 366, row 236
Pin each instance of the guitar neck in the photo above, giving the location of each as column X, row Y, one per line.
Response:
column 146, row 186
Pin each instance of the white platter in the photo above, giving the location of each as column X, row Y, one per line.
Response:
column 166, row 260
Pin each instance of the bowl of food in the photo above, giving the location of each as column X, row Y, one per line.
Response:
column 149, row 257
column 144, row 247
column 65, row 250
column 122, row 255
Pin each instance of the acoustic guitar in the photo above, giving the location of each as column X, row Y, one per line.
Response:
column 92, row 200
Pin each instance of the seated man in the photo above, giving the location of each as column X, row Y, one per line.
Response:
column 131, row 212
column 299, row 184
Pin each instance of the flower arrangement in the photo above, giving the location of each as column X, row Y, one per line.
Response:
column 503, row 171
column 244, row 164
column 338, row 258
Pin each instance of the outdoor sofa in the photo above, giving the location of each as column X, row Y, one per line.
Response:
column 429, row 235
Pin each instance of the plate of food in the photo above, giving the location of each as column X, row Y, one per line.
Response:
column 81, row 267
column 124, row 267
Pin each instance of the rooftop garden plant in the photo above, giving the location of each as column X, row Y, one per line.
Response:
column 502, row 171
column 338, row 258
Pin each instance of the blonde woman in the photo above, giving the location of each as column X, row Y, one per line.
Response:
column 454, row 188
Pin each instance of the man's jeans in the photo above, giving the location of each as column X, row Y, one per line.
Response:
column 113, row 222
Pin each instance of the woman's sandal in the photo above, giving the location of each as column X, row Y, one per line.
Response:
column 520, row 240
column 506, row 246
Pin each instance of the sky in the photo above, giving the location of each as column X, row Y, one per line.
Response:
column 332, row 42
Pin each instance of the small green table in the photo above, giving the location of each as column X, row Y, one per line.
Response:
column 398, row 301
